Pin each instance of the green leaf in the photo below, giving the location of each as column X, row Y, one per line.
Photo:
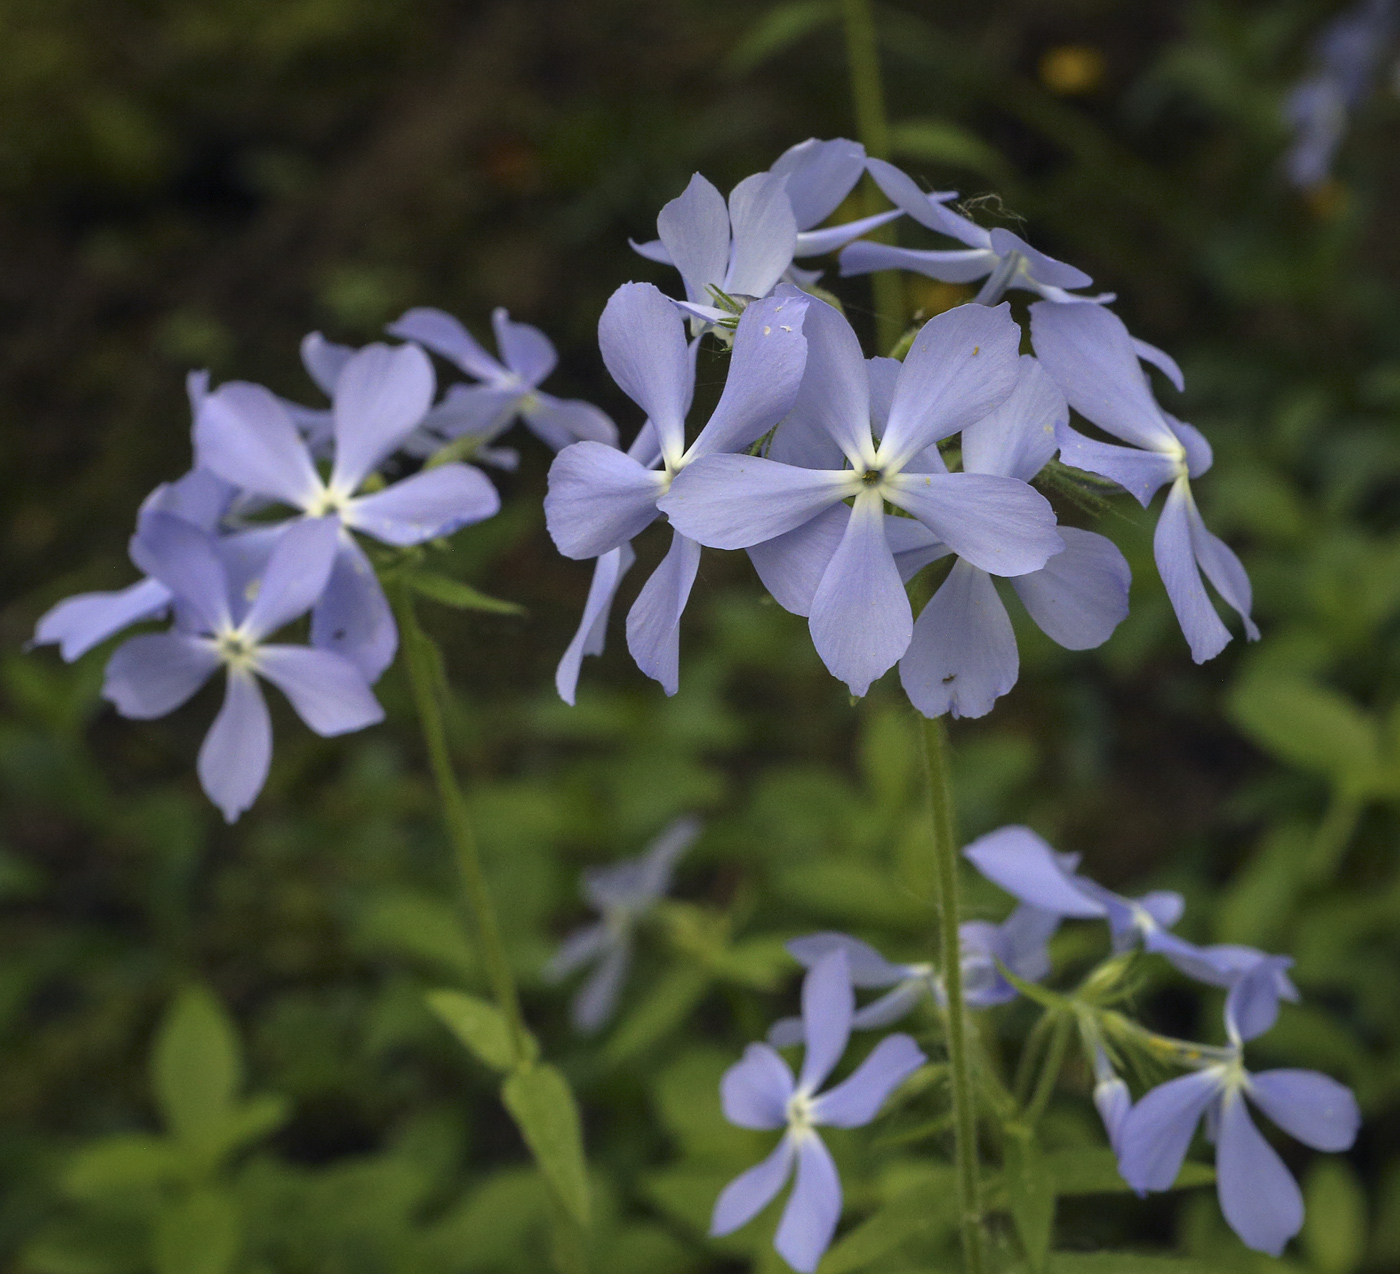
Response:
column 452, row 592
column 91, row 1244
column 255, row 1119
column 1334, row 1233
column 197, row 1235
column 929, row 1207
column 1126, row 1263
column 1094, row 1170
column 1031, row 1195
column 119, row 1164
column 778, row 29
column 481, row 1026
column 1311, row 727
column 659, row 1012
column 939, row 141
column 541, row 1103
column 196, row 1069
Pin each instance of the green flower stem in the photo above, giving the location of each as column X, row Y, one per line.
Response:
column 873, row 125
column 945, row 857
column 424, row 662
column 1050, row 1071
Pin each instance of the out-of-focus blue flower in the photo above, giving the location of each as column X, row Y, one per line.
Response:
column 1346, row 54
column 245, row 435
column 1258, row 1195
column 1111, row 1099
column 508, row 388
column 1004, row 259
column 1095, row 362
column 760, row 1092
column 622, row 895
column 600, row 497
column 1018, row 943
column 962, row 366
column 219, row 625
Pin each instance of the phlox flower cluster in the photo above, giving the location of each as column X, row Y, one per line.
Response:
column 843, row 476
column 270, row 526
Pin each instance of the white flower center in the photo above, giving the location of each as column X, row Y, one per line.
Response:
column 799, row 1113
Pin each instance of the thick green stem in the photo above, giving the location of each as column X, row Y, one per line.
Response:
column 873, row 126
column 945, row 857
column 424, row 663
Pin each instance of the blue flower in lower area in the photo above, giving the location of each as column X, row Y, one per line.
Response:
column 622, row 895
column 218, row 625
column 1258, row 1195
column 760, row 1092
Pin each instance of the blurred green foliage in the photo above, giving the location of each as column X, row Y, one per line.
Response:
column 216, row 1046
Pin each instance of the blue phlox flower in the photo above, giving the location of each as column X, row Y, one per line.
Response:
column 962, row 656
column 507, row 388
column 1018, row 943
column 600, row 497
column 760, row 1092
column 622, row 894
column 962, row 365
column 1112, row 1099
column 1259, row 1197
column 219, row 625
column 1089, row 354
column 245, row 435
column 1004, row 259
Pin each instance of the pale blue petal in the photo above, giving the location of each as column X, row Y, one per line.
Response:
column 813, row 1209
column 750, row 1192
column 1114, row 1103
column 1081, row 595
column 1162, row 361
column 796, row 441
column 892, row 1006
column 1157, row 1133
column 828, row 1001
column 694, row 227
column 754, row 1092
column 1027, row 868
column 791, row 566
column 479, row 411
column 734, row 501
column 1222, row 568
column 1312, row 1107
column 596, row 1000
column 432, row 503
column 1001, row 525
column 353, row 617
column 581, row 947
column 328, row 692
column 1199, row 455
column 956, row 265
column 765, row 371
column 962, row 365
column 913, row 544
column 867, row 967
column 924, row 206
column 1140, row 473
column 244, row 435
column 1176, row 564
column 1088, row 352
column 653, row 623
column 1042, row 268
column 857, row 1100
column 381, row 394
column 785, row 1032
column 599, row 498
column 559, row 421
column 659, row 859
column 1017, row 440
column 643, row 342
column 1024, row 935
column 527, row 351
column 1251, row 1008
column 835, row 396
column 813, row 243
column 297, row 574
column 1258, row 1195
column 962, row 656
column 884, row 376
column 653, row 250
column 445, row 335
column 324, row 361
column 588, row 639
column 155, row 673
column 77, row 624
column 818, row 175
column 237, row 752
column 200, row 497
column 186, row 561
column 861, row 621
column 765, row 234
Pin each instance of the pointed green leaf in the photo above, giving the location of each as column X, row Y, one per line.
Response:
column 940, row 141
column 452, row 592
column 118, row 1164
column 1030, row 1194
column 481, row 1026
column 196, row 1235
column 923, row 1211
column 1334, row 1233
column 778, row 29
column 196, row 1069
column 658, row 1012
column 542, row 1104
column 255, row 1119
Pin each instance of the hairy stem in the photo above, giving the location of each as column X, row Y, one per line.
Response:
column 873, row 126
column 424, row 663
column 945, row 857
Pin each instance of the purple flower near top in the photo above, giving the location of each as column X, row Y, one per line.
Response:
column 508, row 388
column 1090, row 355
column 760, row 1092
column 1018, row 942
column 962, row 365
column 1258, row 1195
column 622, row 894
column 223, row 626
column 1004, row 259
column 245, row 435
column 600, row 497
